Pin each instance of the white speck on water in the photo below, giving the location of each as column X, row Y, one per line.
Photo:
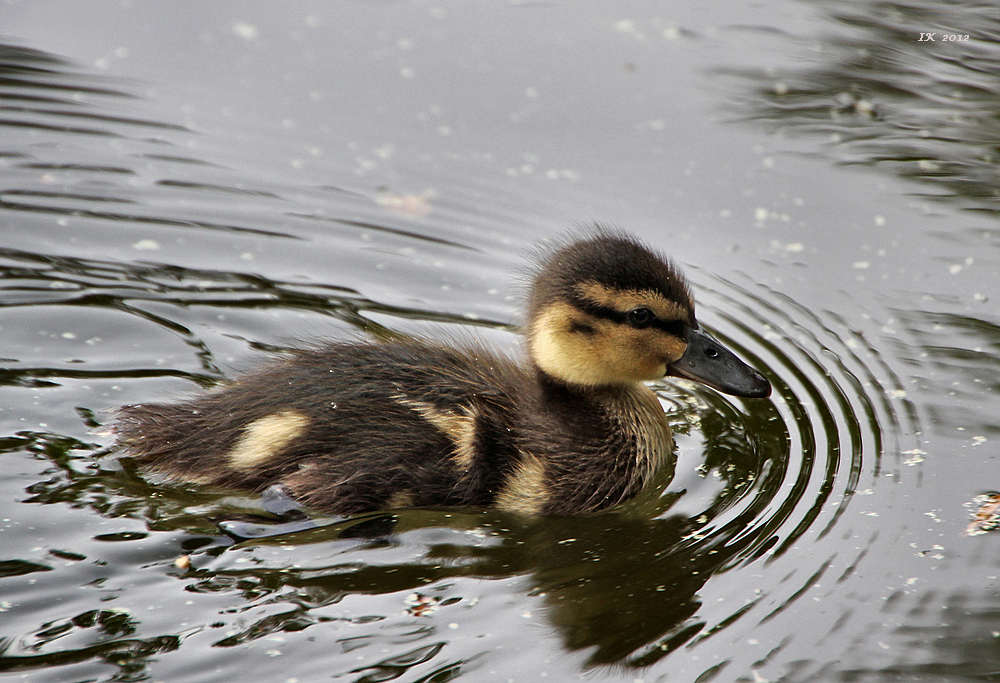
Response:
column 146, row 245
column 880, row 221
column 68, row 335
column 245, row 31
column 861, row 265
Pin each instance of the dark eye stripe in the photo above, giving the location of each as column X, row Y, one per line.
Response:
column 677, row 328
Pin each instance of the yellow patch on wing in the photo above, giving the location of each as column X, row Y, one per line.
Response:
column 627, row 299
column 525, row 490
column 459, row 427
column 400, row 499
column 265, row 438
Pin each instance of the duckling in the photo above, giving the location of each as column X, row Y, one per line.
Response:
column 367, row 425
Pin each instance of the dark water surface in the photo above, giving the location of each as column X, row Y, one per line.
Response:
column 186, row 187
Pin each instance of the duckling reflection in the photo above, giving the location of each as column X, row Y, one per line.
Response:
column 360, row 426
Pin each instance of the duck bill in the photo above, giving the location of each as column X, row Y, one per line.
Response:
column 709, row 362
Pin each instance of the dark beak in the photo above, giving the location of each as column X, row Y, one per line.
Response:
column 709, row 362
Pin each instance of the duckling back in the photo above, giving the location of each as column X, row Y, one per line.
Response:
column 366, row 426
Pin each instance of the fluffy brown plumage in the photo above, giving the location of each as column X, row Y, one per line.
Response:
column 359, row 426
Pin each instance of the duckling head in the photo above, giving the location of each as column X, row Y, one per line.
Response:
column 606, row 310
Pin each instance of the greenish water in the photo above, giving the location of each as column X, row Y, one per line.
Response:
column 182, row 193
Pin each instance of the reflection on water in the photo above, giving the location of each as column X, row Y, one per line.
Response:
column 880, row 96
column 966, row 367
column 764, row 475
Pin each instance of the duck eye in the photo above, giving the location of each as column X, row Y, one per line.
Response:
column 640, row 317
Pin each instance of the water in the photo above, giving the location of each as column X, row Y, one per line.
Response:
column 184, row 192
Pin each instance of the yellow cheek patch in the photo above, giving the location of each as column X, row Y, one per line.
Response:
column 267, row 437
column 611, row 353
column 565, row 354
column 625, row 300
column 460, row 428
column 671, row 347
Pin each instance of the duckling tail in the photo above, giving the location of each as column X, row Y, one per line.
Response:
column 147, row 429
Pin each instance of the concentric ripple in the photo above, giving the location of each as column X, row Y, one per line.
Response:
column 780, row 473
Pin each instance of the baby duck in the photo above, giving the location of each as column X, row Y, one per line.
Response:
column 367, row 425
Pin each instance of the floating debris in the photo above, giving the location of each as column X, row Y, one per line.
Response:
column 183, row 562
column 987, row 515
column 421, row 605
column 406, row 204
